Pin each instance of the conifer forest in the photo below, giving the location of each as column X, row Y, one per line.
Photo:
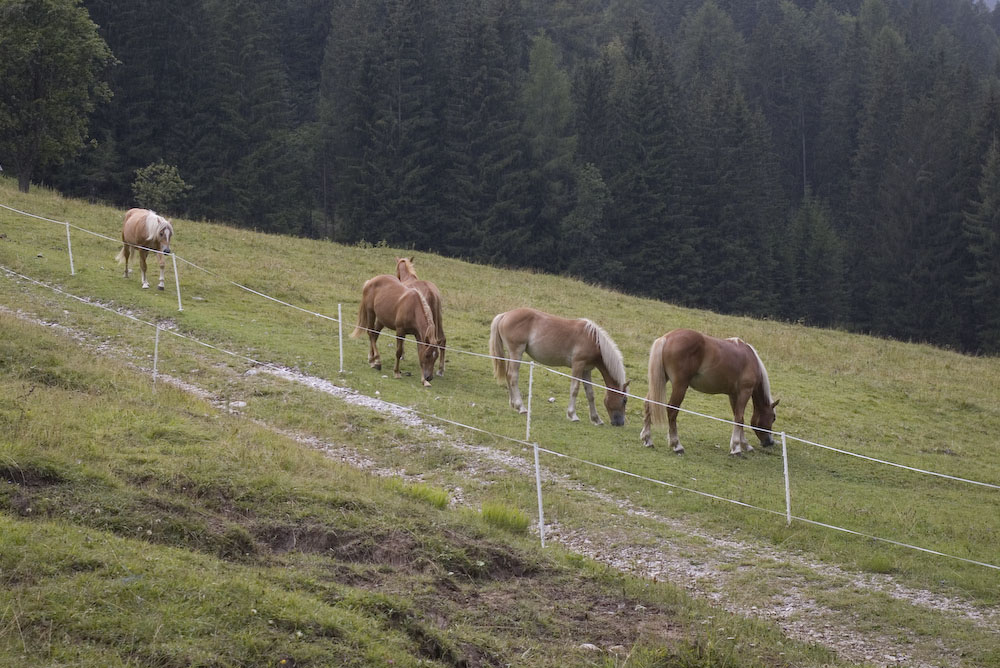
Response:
column 832, row 162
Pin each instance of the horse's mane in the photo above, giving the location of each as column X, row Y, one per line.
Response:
column 153, row 223
column 612, row 357
column 764, row 381
column 428, row 313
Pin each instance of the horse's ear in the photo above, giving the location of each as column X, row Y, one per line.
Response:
column 775, row 403
column 410, row 259
column 625, row 388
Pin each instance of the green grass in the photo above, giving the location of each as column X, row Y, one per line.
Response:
column 913, row 404
column 505, row 517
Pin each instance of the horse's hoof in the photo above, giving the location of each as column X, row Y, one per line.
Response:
column 397, row 375
column 377, row 366
column 159, row 287
column 679, row 450
column 427, row 383
column 145, row 286
column 599, row 422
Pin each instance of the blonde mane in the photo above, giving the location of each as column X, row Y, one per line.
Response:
column 428, row 313
column 764, row 380
column 609, row 352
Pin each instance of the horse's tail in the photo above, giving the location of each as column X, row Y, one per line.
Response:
column 657, row 379
column 497, row 351
column 121, row 255
column 363, row 323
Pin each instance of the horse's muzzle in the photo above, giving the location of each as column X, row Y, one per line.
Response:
column 617, row 420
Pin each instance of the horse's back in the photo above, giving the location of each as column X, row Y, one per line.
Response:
column 134, row 225
column 547, row 338
column 708, row 364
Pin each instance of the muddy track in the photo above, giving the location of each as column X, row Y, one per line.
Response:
column 704, row 564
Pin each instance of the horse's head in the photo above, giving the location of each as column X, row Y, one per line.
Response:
column 428, row 352
column 763, row 419
column 614, row 401
column 164, row 234
column 404, row 268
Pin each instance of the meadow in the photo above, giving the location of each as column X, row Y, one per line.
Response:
column 913, row 404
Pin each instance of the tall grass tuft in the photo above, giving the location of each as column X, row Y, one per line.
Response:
column 505, row 517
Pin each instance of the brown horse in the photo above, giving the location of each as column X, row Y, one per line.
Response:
column 714, row 366
column 579, row 344
column 386, row 302
column 406, row 274
column 144, row 230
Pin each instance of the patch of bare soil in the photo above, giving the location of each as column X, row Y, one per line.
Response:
column 705, row 566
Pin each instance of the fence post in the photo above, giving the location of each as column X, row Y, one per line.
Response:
column 156, row 354
column 340, row 336
column 177, row 282
column 788, row 494
column 538, row 487
column 69, row 246
column 531, row 380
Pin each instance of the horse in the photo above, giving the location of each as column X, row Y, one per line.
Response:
column 145, row 230
column 406, row 274
column 714, row 366
column 386, row 302
column 579, row 344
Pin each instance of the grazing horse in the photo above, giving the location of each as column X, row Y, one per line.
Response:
column 406, row 274
column 579, row 344
column 144, row 230
column 386, row 302
column 714, row 366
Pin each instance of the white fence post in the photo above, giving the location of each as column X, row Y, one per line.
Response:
column 788, row 493
column 69, row 246
column 340, row 336
column 156, row 354
column 538, row 487
column 531, row 380
column 177, row 282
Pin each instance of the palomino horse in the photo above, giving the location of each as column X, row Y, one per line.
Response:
column 714, row 366
column 579, row 344
column 386, row 302
column 406, row 274
column 144, row 230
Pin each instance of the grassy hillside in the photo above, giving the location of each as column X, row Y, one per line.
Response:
column 911, row 404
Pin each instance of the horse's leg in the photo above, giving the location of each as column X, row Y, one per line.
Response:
column 399, row 355
column 159, row 256
column 588, row 389
column 513, row 371
column 126, row 251
column 677, row 392
column 374, row 359
column 738, row 443
column 142, row 266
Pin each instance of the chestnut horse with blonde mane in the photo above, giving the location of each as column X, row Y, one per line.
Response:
column 145, row 231
column 579, row 344
column 386, row 302
column 406, row 274
column 714, row 366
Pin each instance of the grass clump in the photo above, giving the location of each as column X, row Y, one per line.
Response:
column 505, row 517
column 429, row 494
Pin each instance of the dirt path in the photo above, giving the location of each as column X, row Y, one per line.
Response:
column 707, row 565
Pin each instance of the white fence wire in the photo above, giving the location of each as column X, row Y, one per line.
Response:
column 527, row 441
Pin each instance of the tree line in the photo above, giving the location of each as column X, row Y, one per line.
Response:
column 833, row 162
